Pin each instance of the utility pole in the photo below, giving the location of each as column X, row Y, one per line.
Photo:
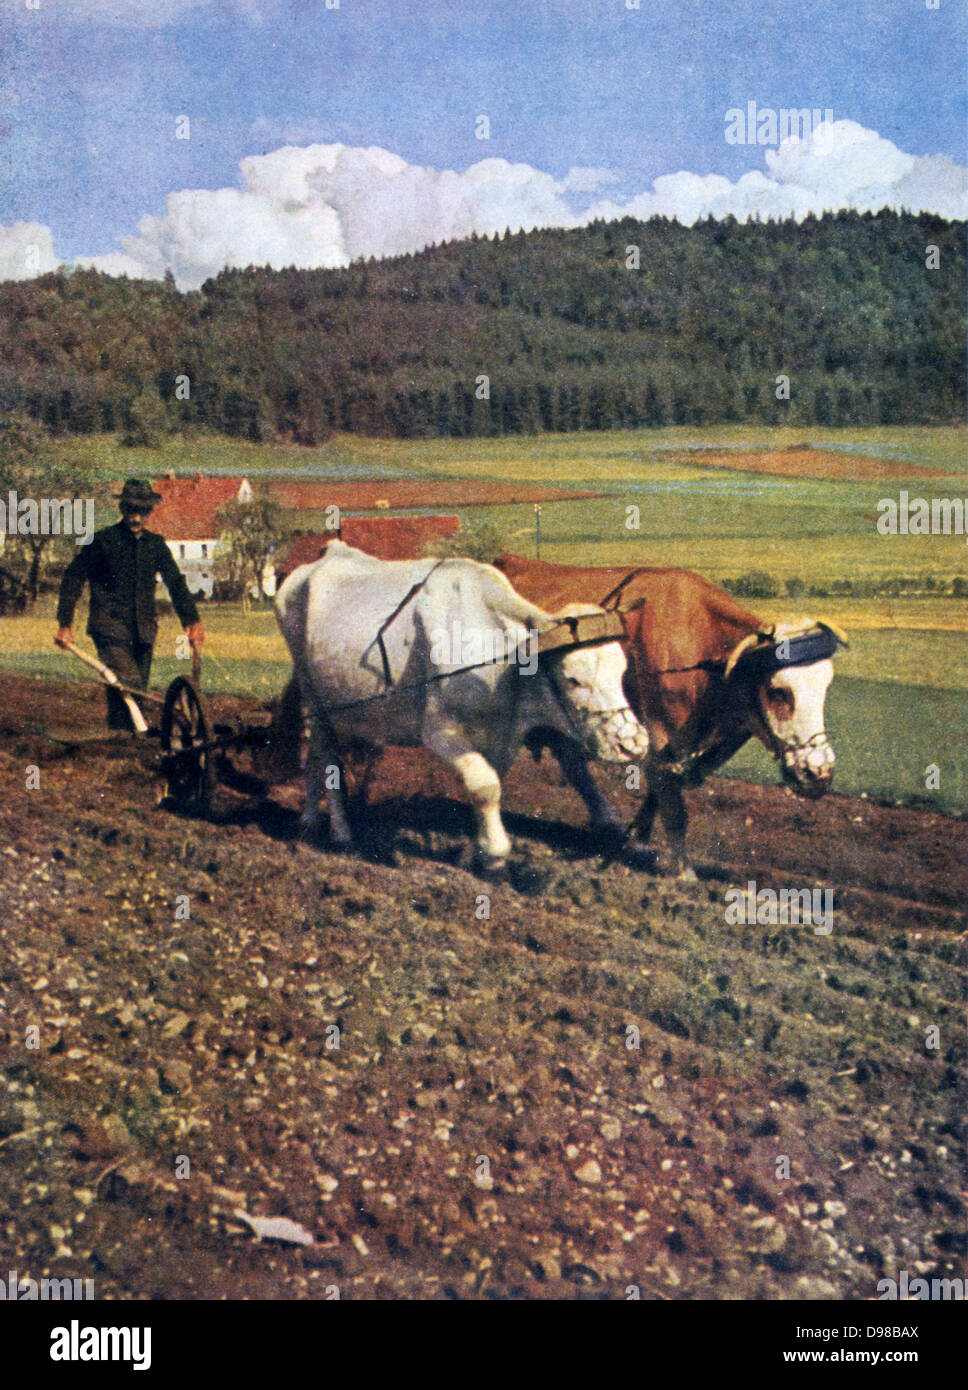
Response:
column 537, row 529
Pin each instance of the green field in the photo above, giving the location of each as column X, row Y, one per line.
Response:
column 900, row 700
column 720, row 522
column 566, row 459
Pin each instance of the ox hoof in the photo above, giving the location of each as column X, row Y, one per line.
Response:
column 610, row 842
column 490, row 869
column 340, row 833
column 608, row 837
column 641, row 857
column 310, row 831
column 319, row 836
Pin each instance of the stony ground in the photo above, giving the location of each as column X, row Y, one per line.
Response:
column 487, row 1126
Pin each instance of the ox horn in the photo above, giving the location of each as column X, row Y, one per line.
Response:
column 751, row 642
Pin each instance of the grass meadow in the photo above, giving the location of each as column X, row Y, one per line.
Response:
column 900, row 699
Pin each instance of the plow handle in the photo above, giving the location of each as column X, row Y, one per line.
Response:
column 109, row 678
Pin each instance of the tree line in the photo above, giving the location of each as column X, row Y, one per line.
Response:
column 614, row 325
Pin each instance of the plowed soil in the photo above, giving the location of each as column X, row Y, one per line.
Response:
column 560, row 1086
column 808, row 463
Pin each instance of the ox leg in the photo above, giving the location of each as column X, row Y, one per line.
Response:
column 645, row 819
column 483, row 787
column 605, row 819
column 321, row 760
column 606, row 824
column 574, row 764
column 675, row 821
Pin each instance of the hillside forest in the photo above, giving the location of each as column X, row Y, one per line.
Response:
column 614, row 325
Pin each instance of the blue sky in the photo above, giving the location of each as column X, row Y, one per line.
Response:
column 90, row 89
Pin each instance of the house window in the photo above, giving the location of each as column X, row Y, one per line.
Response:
column 181, row 552
column 204, row 550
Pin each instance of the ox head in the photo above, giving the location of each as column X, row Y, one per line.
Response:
column 581, row 655
column 789, row 670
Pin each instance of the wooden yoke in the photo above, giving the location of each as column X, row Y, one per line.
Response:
column 587, row 630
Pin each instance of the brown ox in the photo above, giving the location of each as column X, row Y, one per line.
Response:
column 704, row 675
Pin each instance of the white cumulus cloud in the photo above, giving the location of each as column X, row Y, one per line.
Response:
column 204, row 231
column 840, row 165
column 26, row 250
column 582, row 179
column 324, row 205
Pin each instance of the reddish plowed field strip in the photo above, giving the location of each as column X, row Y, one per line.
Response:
column 808, row 463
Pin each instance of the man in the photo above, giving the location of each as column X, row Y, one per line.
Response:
column 121, row 564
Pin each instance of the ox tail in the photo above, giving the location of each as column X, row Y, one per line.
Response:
column 279, row 761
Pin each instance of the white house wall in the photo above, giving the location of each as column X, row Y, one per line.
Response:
column 195, row 559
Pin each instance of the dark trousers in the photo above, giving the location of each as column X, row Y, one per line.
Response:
column 131, row 663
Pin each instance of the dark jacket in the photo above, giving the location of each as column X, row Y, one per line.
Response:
column 121, row 570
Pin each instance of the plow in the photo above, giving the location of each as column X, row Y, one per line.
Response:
column 195, row 750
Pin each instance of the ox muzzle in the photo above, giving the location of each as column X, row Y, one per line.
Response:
column 612, row 736
column 807, row 765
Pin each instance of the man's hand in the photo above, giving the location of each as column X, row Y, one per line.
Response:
column 65, row 637
column 196, row 634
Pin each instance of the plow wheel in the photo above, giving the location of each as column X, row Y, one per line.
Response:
column 186, row 741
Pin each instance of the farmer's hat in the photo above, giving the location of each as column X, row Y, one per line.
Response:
column 137, row 493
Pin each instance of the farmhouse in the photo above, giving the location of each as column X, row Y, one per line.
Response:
column 185, row 516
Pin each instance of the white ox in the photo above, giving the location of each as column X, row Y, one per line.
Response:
column 408, row 687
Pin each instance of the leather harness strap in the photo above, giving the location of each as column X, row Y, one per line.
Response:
column 616, row 592
column 378, row 639
column 580, row 630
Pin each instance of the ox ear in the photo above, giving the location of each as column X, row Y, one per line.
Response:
column 753, row 641
column 632, row 607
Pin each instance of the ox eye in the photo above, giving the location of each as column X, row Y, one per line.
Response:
column 780, row 702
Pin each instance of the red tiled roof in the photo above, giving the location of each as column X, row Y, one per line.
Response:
column 188, row 506
column 188, row 510
column 387, row 537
